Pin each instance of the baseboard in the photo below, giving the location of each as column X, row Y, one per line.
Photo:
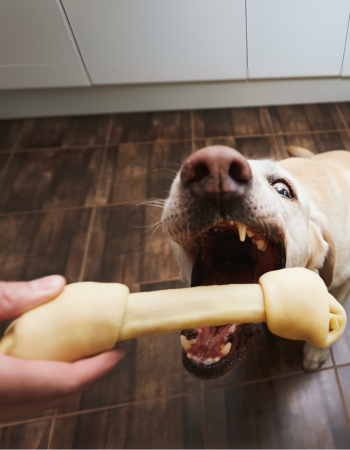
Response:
column 160, row 97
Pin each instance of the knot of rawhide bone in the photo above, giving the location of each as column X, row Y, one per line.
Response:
column 88, row 318
column 298, row 306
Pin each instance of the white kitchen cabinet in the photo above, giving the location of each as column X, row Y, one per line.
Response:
column 142, row 41
column 346, row 62
column 296, row 38
column 36, row 46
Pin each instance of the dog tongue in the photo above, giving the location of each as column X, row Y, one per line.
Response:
column 210, row 344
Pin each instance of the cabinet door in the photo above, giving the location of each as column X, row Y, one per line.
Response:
column 36, row 49
column 346, row 62
column 296, row 38
column 141, row 41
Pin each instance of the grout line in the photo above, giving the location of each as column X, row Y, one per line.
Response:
column 339, row 366
column 52, row 428
column 158, row 281
column 160, row 141
column 24, row 421
column 12, row 153
column 182, row 394
column 192, row 132
column 123, row 405
column 346, row 411
column 61, row 148
column 93, row 212
column 278, row 154
column 263, row 380
column 342, row 117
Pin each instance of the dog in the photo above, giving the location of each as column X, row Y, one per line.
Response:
column 230, row 220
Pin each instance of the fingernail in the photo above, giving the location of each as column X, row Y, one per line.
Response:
column 45, row 283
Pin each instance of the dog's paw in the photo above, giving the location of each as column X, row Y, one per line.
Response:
column 314, row 357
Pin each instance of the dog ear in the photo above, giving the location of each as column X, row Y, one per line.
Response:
column 327, row 270
column 322, row 253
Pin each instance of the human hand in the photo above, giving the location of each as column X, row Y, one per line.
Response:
column 28, row 387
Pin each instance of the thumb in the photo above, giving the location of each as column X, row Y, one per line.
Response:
column 18, row 297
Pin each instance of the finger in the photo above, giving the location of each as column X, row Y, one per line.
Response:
column 86, row 371
column 23, row 381
column 18, row 297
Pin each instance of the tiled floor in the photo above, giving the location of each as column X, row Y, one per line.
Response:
column 69, row 195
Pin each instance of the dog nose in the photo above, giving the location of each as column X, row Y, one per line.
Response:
column 216, row 170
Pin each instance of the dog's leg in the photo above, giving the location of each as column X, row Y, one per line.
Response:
column 315, row 357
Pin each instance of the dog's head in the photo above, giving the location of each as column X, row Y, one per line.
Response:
column 230, row 221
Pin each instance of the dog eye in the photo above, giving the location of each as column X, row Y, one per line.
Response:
column 282, row 189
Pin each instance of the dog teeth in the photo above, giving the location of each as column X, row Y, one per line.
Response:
column 250, row 233
column 192, row 357
column 262, row 245
column 186, row 344
column 242, row 229
column 209, row 361
column 225, row 349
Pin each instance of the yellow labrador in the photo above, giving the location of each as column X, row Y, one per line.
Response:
column 230, row 220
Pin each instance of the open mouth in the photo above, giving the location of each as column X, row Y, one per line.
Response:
column 228, row 253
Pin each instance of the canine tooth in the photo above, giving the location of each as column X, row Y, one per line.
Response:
column 250, row 233
column 242, row 229
column 260, row 244
column 186, row 344
column 265, row 246
column 225, row 348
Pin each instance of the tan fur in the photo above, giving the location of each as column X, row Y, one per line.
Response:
column 299, row 152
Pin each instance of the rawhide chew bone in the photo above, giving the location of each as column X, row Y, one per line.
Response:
column 88, row 318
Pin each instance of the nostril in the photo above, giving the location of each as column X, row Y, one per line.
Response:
column 200, row 172
column 240, row 171
column 194, row 171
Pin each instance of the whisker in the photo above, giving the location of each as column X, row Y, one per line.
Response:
column 157, row 228
column 165, row 168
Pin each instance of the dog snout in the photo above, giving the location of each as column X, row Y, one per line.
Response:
column 216, row 170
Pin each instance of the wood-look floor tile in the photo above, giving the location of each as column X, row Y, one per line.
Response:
column 64, row 131
column 250, row 147
column 317, row 143
column 134, row 173
column 345, row 112
column 52, row 179
column 344, row 377
column 122, row 250
column 35, row 245
column 152, row 126
column 313, row 117
column 295, row 412
column 231, row 122
column 341, row 348
column 9, row 130
column 267, row 356
column 3, row 159
column 166, row 423
column 27, row 435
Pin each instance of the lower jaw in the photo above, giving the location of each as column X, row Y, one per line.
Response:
column 227, row 363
